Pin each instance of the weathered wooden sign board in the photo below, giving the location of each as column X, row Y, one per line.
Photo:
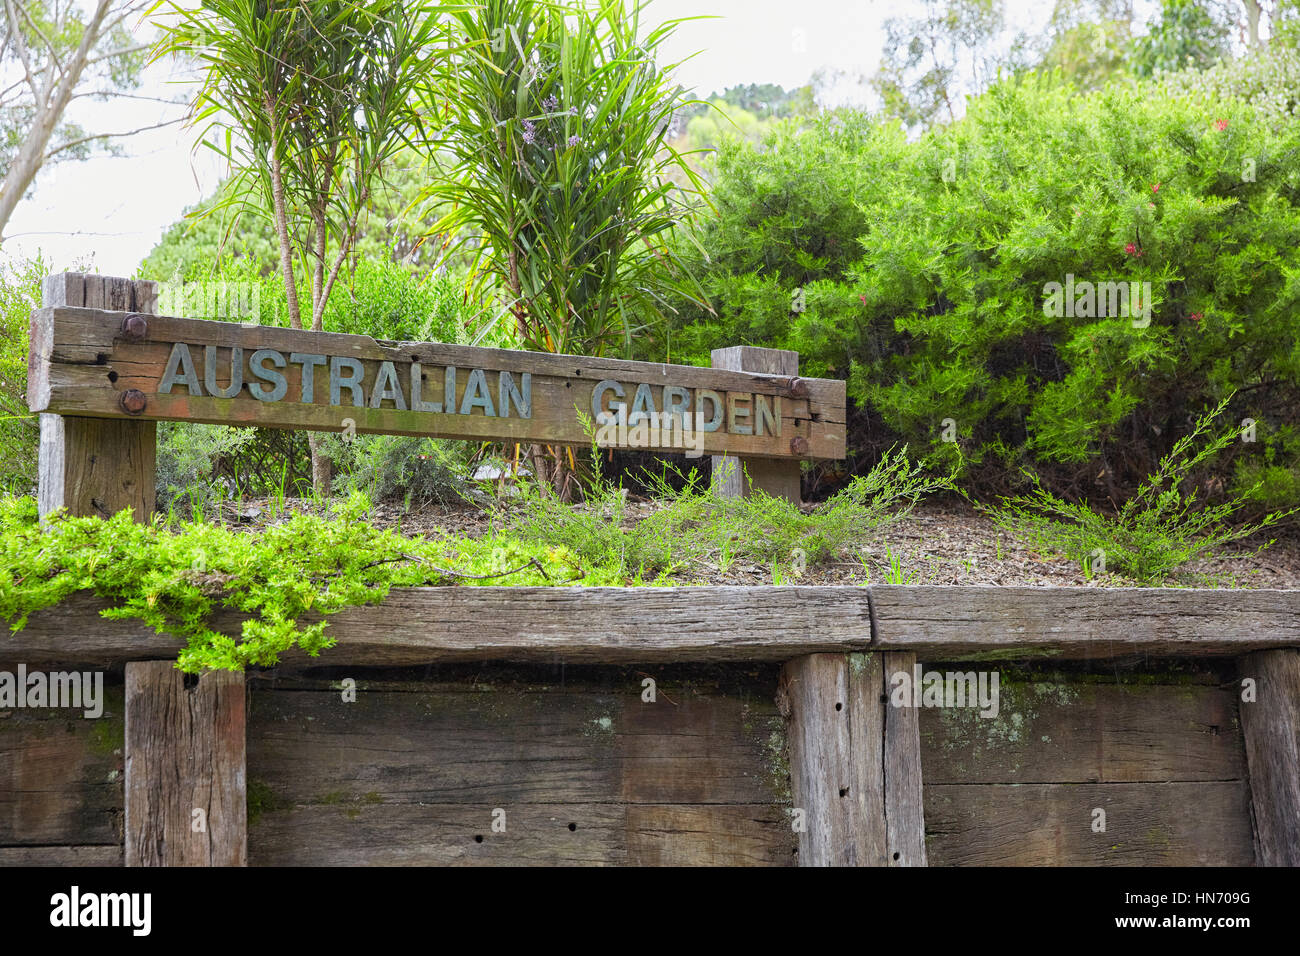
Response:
column 97, row 363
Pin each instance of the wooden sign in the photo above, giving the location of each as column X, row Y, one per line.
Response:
column 95, row 363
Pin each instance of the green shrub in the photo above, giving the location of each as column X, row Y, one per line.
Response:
column 919, row 272
column 188, row 453
column 416, row 471
column 20, row 293
column 378, row 298
column 1267, row 80
column 1153, row 534
column 698, row 527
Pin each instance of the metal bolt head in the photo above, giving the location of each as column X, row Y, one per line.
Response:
column 798, row 387
column 798, row 445
column 135, row 327
column 132, row 401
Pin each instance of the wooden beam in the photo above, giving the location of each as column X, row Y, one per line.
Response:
column 613, row 625
column 991, row 622
column 186, row 802
column 592, row 625
column 855, row 761
column 1271, row 726
column 83, row 363
column 735, row 476
column 92, row 466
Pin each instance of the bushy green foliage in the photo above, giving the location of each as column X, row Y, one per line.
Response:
column 289, row 577
column 187, row 455
column 1159, row 530
column 20, row 292
column 1268, row 81
column 415, row 471
column 558, row 167
column 919, row 271
column 697, row 526
column 378, row 298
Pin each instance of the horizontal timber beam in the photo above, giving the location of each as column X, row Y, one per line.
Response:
column 615, row 625
column 97, row 363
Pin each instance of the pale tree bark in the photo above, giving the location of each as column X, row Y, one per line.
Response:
column 1254, row 12
column 53, row 85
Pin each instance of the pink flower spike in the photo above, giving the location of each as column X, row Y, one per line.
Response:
column 1155, row 188
column 1220, row 125
column 1131, row 249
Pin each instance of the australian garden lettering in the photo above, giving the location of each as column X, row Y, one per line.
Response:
column 113, row 365
column 262, row 372
column 347, row 382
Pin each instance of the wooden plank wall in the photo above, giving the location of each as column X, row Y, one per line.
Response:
column 411, row 771
column 1160, row 753
column 61, row 798
column 585, row 771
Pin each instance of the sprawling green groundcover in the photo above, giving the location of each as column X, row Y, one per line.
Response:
column 291, row 575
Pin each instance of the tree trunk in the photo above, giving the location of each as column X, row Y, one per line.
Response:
column 322, row 469
column 31, row 155
column 1253, row 14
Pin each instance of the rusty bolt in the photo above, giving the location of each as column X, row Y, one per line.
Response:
column 135, row 327
column 798, row 387
column 798, row 445
column 132, row 401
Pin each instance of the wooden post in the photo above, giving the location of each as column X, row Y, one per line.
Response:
column 94, row 466
column 1271, row 727
column 186, row 802
column 777, row 477
column 855, row 764
column 904, row 810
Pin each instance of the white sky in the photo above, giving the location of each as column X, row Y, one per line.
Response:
column 106, row 213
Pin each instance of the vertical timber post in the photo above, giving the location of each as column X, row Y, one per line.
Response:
column 778, row 477
column 855, row 767
column 186, row 792
column 94, row 466
column 1270, row 725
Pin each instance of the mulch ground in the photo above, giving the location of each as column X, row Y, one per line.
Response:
column 939, row 544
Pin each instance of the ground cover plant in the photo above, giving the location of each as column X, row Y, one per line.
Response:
column 700, row 528
column 1153, row 534
column 287, row 578
column 291, row 575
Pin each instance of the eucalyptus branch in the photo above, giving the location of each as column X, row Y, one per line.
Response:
column 72, row 144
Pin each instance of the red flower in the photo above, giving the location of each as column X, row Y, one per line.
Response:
column 1197, row 316
column 863, row 298
column 1131, row 249
column 1220, row 125
column 1155, row 188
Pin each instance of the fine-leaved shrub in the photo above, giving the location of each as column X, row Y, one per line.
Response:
column 1153, row 534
